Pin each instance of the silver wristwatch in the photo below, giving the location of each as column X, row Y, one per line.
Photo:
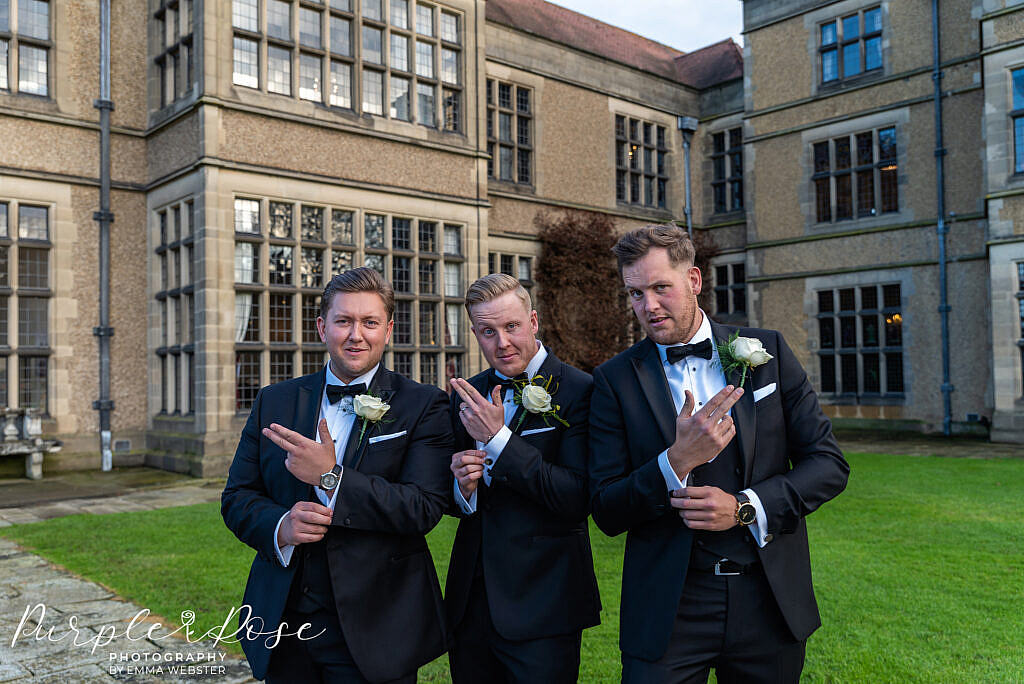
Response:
column 331, row 478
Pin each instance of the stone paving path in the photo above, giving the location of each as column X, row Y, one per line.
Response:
column 27, row 580
column 193, row 492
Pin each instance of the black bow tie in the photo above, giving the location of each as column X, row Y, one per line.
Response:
column 493, row 380
column 336, row 392
column 701, row 349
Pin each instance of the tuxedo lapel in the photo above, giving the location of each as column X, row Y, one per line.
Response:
column 307, row 413
column 742, row 410
column 356, row 447
column 648, row 368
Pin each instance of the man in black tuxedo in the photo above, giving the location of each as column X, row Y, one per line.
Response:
column 337, row 478
column 717, row 571
column 521, row 585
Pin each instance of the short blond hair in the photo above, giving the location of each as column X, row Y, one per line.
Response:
column 493, row 286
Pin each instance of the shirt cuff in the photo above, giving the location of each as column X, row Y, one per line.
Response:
column 497, row 444
column 671, row 479
column 467, row 507
column 284, row 553
column 758, row 528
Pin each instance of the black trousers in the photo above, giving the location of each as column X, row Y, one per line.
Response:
column 325, row 659
column 731, row 624
column 479, row 654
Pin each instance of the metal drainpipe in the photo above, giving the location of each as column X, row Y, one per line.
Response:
column 105, row 217
column 942, row 228
column 688, row 126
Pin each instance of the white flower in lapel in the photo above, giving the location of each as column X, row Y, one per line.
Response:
column 742, row 352
column 534, row 395
column 369, row 409
column 536, row 399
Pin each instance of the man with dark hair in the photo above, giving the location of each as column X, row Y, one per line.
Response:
column 337, row 478
column 521, row 585
column 710, row 479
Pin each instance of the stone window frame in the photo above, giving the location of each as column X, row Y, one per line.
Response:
column 1016, row 115
column 634, row 139
column 448, row 110
column 733, row 286
column 828, row 324
column 514, row 264
column 726, row 175
column 521, row 112
column 175, row 57
column 899, row 118
column 12, row 294
column 877, row 166
column 815, row 19
column 840, row 42
column 12, row 40
column 255, row 360
column 176, row 256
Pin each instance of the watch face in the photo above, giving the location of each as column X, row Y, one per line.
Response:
column 747, row 513
column 328, row 481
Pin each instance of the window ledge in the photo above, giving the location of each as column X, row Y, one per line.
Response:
column 512, row 186
column 724, row 216
column 862, row 400
column 854, row 81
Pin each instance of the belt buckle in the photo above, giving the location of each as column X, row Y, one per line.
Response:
column 718, row 569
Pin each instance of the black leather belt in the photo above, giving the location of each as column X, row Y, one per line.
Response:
column 726, row 567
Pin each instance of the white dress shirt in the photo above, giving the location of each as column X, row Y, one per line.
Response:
column 704, row 378
column 340, row 420
column 500, row 439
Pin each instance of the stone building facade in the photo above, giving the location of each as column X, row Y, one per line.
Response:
column 843, row 200
column 260, row 145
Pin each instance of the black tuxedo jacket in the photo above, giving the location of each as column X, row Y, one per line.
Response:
column 530, row 529
column 391, row 494
column 789, row 458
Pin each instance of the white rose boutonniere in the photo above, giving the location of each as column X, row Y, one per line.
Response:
column 536, row 399
column 535, row 396
column 369, row 409
column 746, row 353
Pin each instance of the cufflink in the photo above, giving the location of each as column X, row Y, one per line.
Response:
column 488, row 461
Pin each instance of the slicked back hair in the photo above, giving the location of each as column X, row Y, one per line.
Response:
column 362, row 279
column 635, row 244
column 493, row 286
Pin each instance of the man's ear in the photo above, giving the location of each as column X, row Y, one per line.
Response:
column 695, row 279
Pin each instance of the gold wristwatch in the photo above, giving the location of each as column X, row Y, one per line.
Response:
column 746, row 514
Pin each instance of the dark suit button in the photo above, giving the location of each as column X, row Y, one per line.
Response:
column 502, row 479
column 748, row 539
column 700, row 543
column 737, row 470
column 768, row 537
column 305, row 589
column 348, row 521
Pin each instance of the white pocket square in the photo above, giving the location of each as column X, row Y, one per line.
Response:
column 763, row 392
column 384, row 438
column 524, row 433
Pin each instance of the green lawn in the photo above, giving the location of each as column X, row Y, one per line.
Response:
column 918, row 566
